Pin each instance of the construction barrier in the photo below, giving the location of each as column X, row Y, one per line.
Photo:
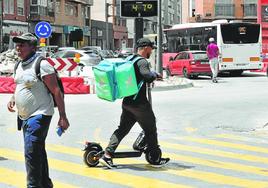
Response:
column 75, row 85
column 72, row 85
column 7, row 84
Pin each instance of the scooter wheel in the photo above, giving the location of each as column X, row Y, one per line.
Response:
column 90, row 158
column 153, row 160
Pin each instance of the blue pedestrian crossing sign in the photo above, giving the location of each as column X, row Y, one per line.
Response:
column 43, row 29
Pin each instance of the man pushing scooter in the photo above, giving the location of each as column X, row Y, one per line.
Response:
column 137, row 108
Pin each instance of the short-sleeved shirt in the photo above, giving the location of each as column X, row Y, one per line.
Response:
column 212, row 50
column 31, row 95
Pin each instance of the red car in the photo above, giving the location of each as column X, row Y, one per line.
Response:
column 190, row 64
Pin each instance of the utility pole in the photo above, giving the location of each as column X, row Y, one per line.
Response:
column 107, row 24
column 1, row 25
column 138, row 27
column 159, row 39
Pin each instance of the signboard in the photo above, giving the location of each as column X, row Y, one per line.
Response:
column 63, row 64
column 141, row 8
column 43, row 30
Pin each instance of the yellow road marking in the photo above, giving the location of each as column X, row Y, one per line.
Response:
column 230, row 136
column 190, row 129
column 214, row 152
column 226, row 144
column 96, row 135
column 184, row 158
column 18, row 179
column 205, row 176
column 98, row 173
column 12, row 130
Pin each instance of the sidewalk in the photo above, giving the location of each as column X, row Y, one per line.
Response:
column 172, row 83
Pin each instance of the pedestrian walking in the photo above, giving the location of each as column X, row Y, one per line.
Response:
column 213, row 54
column 138, row 109
column 35, row 106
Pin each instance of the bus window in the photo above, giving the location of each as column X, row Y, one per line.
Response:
column 241, row 33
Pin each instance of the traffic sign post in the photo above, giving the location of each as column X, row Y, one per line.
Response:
column 63, row 64
column 43, row 30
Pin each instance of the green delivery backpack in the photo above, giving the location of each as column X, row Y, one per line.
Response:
column 116, row 78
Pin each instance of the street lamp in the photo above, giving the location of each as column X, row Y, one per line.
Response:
column 107, row 24
column 159, row 39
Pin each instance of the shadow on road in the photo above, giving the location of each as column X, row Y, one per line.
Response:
column 147, row 167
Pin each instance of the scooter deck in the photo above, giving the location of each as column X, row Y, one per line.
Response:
column 126, row 154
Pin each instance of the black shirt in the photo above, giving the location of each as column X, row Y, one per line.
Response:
column 143, row 72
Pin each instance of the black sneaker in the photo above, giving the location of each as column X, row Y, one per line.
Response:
column 162, row 162
column 108, row 162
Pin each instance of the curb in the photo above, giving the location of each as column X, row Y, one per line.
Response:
column 172, row 87
column 173, row 84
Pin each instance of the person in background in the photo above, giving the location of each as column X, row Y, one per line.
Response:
column 35, row 107
column 213, row 54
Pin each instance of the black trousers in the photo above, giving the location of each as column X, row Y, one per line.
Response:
column 144, row 115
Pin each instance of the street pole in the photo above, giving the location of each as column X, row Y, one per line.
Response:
column 159, row 39
column 138, row 27
column 107, row 25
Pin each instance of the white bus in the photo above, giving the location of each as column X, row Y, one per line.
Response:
column 239, row 43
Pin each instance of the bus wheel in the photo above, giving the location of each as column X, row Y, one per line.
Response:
column 185, row 73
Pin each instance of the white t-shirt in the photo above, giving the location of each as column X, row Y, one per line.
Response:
column 31, row 95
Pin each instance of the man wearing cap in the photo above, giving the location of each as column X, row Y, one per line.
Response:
column 139, row 110
column 35, row 107
column 213, row 53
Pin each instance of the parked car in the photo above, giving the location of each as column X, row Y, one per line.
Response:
column 66, row 48
column 98, row 48
column 125, row 52
column 190, row 64
column 106, row 54
column 87, row 60
column 95, row 49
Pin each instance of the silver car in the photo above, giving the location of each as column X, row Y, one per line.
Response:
column 87, row 58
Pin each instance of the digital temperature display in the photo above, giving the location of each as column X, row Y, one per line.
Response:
column 138, row 8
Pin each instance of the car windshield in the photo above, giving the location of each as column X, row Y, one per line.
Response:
column 58, row 54
column 200, row 55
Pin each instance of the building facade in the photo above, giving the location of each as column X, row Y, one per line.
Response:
column 20, row 16
column 263, row 20
column 14, row 20
column 120, row 34
column 209, row 10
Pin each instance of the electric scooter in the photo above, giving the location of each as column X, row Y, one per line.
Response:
column 94, row 151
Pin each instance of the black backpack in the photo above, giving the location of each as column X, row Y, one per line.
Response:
column 37, row 72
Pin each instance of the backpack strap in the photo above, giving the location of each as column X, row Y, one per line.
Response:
column 16, row 66
column 37, row 67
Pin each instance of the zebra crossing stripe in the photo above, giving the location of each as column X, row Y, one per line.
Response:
column 232, row 137
column 18, row 179
column 226, row 144
column 178, row 157
column 215, row 152
column 204, row 176
column 98, row 173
